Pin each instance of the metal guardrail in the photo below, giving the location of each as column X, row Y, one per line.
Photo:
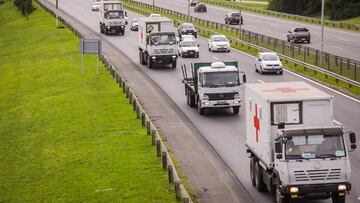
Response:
column 335, row 66
column 329, row 23
column 161, row 150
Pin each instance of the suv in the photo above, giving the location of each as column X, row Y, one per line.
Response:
column 233, row 18
column 189, row 48
column 268, row 62
column 200, row 7
column 187, row 29
column 298, row 35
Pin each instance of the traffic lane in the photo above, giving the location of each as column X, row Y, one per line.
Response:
column 338, row 42
column 229, row 151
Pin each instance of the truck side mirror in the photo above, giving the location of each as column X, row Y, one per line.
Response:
column 278, row 148
column 125, row 13
column 198, row 45
column 352, row 140
column 244, row 78
column 147, row 40
column 281, row 125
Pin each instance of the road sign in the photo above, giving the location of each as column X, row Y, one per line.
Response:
column 90, row 46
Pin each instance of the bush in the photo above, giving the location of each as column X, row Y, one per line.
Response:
column 25, row 7
column 339, row 9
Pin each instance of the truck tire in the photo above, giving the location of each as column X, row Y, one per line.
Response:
column 336, row 198
column 105, row 31
column 101, row 29
column 149, row 64
column 200, row 110
column 280, row 197
column 259, row 184
column 173, row 64
column 192, row 100
column 141, row 58
column 236, row 109
column 252, row 171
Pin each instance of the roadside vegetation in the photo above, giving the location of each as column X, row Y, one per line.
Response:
column 353, row 90
column 65, row 138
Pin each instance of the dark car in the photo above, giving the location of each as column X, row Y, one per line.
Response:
column 233, row 18
column 200, row 7
column 187, row 29
column 298, row 35
column 193, row 2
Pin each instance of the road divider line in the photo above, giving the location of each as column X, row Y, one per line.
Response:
column 260, row 81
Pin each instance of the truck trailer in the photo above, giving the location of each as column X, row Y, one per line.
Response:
column 296, row 151
column 213, row 85
column 112, row 17
column 157, row 42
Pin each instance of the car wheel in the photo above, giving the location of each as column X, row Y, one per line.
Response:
column 260, row 70
column 256, row 70
column 228, row 50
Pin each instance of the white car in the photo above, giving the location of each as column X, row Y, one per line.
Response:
column 219, row 43
column 95, row 6
column 188, row 48
column 268, row 62
column 154, row 15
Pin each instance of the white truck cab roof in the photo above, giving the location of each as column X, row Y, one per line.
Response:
column 287, row 91
column 218, row 67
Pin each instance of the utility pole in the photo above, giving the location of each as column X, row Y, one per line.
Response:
column 57, row 6
column 322, row 33
column 240, row 33
column 188, row 7
column 153, row 6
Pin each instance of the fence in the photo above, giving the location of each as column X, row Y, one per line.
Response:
column 329, row 23
column 341, row 68
column 161, row 150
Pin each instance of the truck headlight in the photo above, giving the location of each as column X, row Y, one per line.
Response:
column 196, row 50
column 237, row 102
column 205, row 97
column 153, row 57
column 206, row 103
column 122, row 26
column 294, row 190
column 342, row 187
column 174, row 57
column 108, row 27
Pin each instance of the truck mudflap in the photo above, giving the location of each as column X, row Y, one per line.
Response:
column 316, row 191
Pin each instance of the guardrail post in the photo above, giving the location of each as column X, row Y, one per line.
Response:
column 158, row 148
column 355, row 76
column 164, row 160
column 328, row 61
column 293, row 50
column 341, row 63
column 283, row 47
column 348, row 64
column 133, row 102
column 137, row 111
column 305, row 54
column 153, row 137
column 177, row 189
column 274, row 46
column 170, row 173
column 143, row 119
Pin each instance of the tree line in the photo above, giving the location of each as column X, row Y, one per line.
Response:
column 25, row 7
column 335, row 9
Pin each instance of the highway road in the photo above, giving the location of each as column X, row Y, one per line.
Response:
column 340, row 42
column 224, row 131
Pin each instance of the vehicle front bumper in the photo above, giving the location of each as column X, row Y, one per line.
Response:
column 116, row 29
column 192, row 53
column 221, row 48
column 272, row 69
column 163, row 59
column 315, row 191
column 220, row 103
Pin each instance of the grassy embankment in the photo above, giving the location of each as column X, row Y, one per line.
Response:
column 63, row 137
column 355, row 91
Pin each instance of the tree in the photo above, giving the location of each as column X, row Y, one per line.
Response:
column 25, row 7
column 342, row 9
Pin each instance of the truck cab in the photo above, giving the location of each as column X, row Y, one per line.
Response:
column 112, row 18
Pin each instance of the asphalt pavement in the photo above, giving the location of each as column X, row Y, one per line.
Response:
column 222, row 130
column 339, row 42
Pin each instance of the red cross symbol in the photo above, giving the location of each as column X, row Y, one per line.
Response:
column 286, row 90
column 256, row 123
column 142, row 35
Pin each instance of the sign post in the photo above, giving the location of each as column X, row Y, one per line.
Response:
column 90, row 46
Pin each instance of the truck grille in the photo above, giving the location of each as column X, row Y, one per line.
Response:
column 164, row 51
column 222, row 96
column 322, row 174
column 114, row 23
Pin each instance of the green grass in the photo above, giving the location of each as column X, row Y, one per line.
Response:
column 65, row 138
column 336, row 67
column 355, row 20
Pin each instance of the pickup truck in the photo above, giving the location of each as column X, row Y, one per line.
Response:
column 298, row 35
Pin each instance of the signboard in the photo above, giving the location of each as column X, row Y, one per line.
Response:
column 90, row 46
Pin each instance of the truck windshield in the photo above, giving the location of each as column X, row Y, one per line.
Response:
column 163, row 39
column 114, row 14
column 218, row 79
column 314, row 146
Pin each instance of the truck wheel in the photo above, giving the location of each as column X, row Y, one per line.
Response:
column 192, row 100
column 149, row 64
column 173, row 64
column 200, row 110
column 259, row 184
column 101, row 29
column 105, row 31
column 236, row 109
column 252, row 171
column 141, row 58
column 337, row 199
column 280, row 197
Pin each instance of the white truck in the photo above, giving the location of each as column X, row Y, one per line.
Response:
column 112, row 17
column 213, row 85
column 295, row 149
column 157, row 42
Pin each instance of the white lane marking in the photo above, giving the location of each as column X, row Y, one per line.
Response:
column 337, row 122
column 216, row 58
column 342, row 39
column 358, row 197
column 260, row 81
column 337, row 47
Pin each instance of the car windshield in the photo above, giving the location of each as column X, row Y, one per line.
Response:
column 220, row 39
column 163, row 39
column 135, row 20
column 200, row 5
column 235, row 15
column 270, row 57
column 188, row 44
column 218, row 79
column 314, row 146
column 188, row 26
column 114, row 14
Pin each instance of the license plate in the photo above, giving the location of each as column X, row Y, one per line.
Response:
column 191, row 52
column 221, row 102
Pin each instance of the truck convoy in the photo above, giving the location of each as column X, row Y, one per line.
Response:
column 112, row 17
column 157, row 41
column 295, row 149
column 213, row 85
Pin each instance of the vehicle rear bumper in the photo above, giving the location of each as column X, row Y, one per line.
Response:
column 272, row 70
